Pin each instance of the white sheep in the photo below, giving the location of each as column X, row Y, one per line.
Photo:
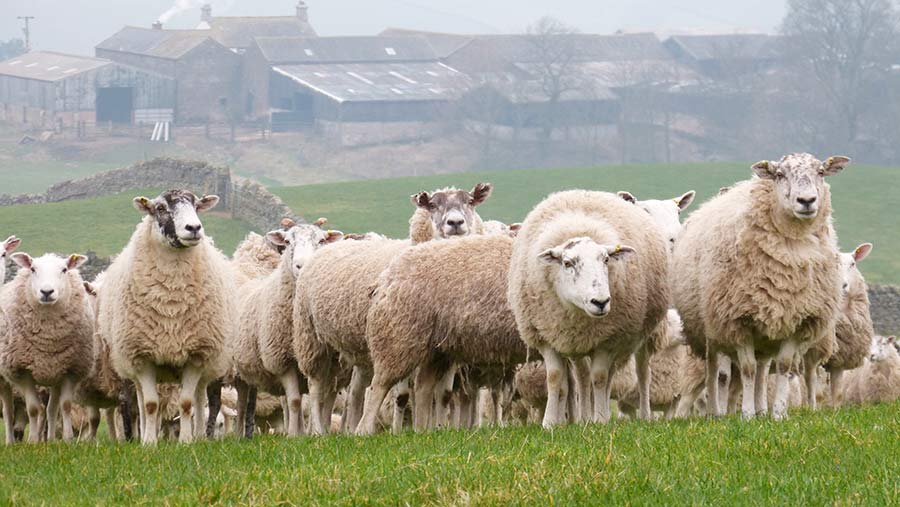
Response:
column 6, row 393
column 588, row 277
column 47, row 335
column 171, row 309
column 756, row 275
column 878, row 379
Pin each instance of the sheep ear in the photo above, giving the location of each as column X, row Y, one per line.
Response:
column 354, row 236
column 320, row 221
column 276, row 238
column 22, row 259
column 724, row 190
column 287, row 222
column 515, row 228
column 891, row 339
column 627, row 196
column 481, row 192
column 421, row 200
column 551, row 255
column 207, row 203
column 75, row 261
column 10, row 244
column 332, row 236
column 620, row 252
column 835, row 164
column 862, row 251
column 142, row 204
column 685, row 200
column 90, row 289
column 764, row 169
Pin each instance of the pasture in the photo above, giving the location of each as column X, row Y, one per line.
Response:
column 846, row 457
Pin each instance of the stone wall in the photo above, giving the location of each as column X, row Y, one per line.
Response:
column 885, row 308
column 252, row 203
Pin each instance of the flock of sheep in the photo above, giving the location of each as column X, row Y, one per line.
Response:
column 593, row 297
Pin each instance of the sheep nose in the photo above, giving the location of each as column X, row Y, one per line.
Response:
column 298, row 266
column 193, row 228
column 600, row 304
column 47, row 293
column 456, row 223
column 806, row 201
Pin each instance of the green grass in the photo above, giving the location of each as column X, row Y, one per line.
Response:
column 865, row 199
column 847, row 457
column 37, row 177
column 102, row 224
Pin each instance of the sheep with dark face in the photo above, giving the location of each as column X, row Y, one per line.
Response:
column 47, row 335
column 170, row 309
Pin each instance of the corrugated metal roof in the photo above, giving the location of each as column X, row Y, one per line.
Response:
column 238, row 32
column 377, row 82
column 730, row 47
column 345, row 49
column 169, row 44
column 622, row 74
column 444, row 44
column 49, row 66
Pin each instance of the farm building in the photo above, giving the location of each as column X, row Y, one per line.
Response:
column 724, row 56
column 205, row 72
column 237, row 32
column 47, row 89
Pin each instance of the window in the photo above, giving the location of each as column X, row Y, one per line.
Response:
column 309, row 52
column 390, row 51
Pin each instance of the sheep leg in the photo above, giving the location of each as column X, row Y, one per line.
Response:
column 725, row 380
column 401, row 393
column 356, row 395
column 747, row 364
column 9, row 412
column 465, row 409
column 317, row 387
column 480, row 410
column 187, row 401
column 250, row 413
column 199, row 409
column 214, row 395
column 291, row 382
column 34, row 407
column 497, row 398
column 761, row 387
column 328, row 407
column 67, row 397
column 242, row 391
column 148, row 398
column 125, row 410
column 642, row 368
column 374, row 397
column 712, row 384
column 812, row 380
column 783, row 364
column 557, row 381
column 443, row 394
column 426, row 379
column 601, row 380
column 110, row 415
column 582, row 376
column 53, row 412
column 837, row 393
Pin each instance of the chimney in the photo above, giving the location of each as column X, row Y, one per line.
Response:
column 157, row 25
column 206, row 13
column 302, row 13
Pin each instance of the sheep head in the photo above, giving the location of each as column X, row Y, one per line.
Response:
column 666, row 214
column 452, row 211
column 301, row 241
column 799, row 180
column 47, row 275
column 850, row 274
column 882, row 348
column 175, row 215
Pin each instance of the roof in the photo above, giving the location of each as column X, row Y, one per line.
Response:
column 584, row 47
column 729, row 47
column 444, row 44
column 345, row 49
column 238, row 32
column 368, row 82
column 169, row 44
column 49, row 66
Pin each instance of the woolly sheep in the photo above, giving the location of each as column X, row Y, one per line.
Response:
column 334, row 289
column 171, row 309
column 665, row 213
column 414, row 320
column 47, row 336
column 756, row 274
column 575, row 292
column 878, row 379
column 6, row 393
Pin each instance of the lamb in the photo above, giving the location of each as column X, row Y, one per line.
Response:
column 756, row 275
column 171, row 309
column 6, row 394
column 414, row 321
column 47, row 336
column 333, row 294
column 878, row 379
column 264, row 357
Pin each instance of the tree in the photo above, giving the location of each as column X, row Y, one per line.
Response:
column 11, row 48
column 847, row 46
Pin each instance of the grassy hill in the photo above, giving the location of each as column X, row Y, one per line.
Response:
column 848, row 457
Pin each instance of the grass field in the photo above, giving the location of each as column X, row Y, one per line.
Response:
column 37, row 177
column 865, row 199
column 847, row 457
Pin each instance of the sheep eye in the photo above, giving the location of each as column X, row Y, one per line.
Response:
column 65, row 270
column 33, row 271
column 568, row 264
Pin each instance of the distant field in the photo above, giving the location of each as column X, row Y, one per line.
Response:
column 102, row 225
column 848, row 457
column 866, row 199
column 37, row 177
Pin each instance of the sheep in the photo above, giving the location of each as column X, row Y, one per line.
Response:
column 333, row 294
column 853, row 329
column 47, row 336
column 575, row 291
column 756, row 275
column 665, row 213
column 878, row 379
column 171, row 308
column 264, row 357
column 6, row 393
column 413, row 320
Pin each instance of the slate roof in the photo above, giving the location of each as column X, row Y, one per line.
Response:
column 730, row 46
column 49, row 66
column 238, row 32
column 345, row 49
column 169, row 44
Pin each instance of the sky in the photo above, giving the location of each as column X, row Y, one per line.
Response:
column 76, row 26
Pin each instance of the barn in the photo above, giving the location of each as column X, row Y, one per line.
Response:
column 45, row 89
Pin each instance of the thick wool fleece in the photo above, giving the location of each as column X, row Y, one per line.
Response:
column 248, row 366
column 102, row 386
column 877, row 382
column 253, row 258
column 48, row 342
column 853, row 329
column 531, row 384
column 172, row 307
column 638, row 285
column 445, row 298
column 746, row 273
column 274, row 323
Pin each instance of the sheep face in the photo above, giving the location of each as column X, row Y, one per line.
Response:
column 6, row 248
column 799, row 180
column 452, row 211
column 665, row 214
column 849, row 272
column 882, row 348
column 175, row 214
column 47, row 275
column 301, row 241
column 579, row 269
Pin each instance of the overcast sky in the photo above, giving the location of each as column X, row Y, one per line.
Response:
column 77, row 25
